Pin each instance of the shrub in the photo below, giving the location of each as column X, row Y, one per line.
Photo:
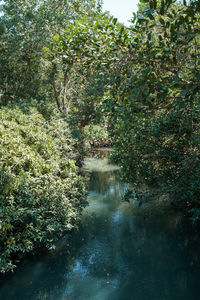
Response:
column 96, row 136
column 41, row 192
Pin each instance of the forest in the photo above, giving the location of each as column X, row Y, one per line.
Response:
column 74, row 78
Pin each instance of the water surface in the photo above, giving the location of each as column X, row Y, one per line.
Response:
column 123, row 251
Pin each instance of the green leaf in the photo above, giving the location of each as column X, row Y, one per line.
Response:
column 114, row 21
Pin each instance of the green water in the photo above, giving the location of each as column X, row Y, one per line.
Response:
column 122, row 252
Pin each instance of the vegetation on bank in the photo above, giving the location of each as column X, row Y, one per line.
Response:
column 136, row 87
column 41, row 191
column 96, row 136
column 155, row 110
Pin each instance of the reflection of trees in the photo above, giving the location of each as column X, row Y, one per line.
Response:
column 102, row 182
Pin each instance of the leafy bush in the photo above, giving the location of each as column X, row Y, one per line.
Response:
column 96, row 135
column 41, row 192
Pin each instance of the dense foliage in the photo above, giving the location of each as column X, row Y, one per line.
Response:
column 156, row 107
column 27, row 26
column 96, row 136
column 41, row 193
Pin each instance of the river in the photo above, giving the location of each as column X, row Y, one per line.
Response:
column 123, row 251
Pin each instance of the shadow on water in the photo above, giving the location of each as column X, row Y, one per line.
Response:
column 120, row 252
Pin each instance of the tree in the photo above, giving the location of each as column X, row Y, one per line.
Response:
column 26, row 27
column 155, row 107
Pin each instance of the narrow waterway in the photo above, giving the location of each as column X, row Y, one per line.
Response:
column 123, row 251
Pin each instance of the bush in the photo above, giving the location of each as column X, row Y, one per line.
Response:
column 41, row 192
column 96, row 136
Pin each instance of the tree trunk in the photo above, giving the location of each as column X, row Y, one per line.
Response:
column 56, row 93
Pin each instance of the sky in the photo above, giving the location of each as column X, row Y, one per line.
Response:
column 121, row 9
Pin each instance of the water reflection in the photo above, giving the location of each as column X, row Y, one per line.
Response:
column 121, row 252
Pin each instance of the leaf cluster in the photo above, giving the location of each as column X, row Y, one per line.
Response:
column 41, row 191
